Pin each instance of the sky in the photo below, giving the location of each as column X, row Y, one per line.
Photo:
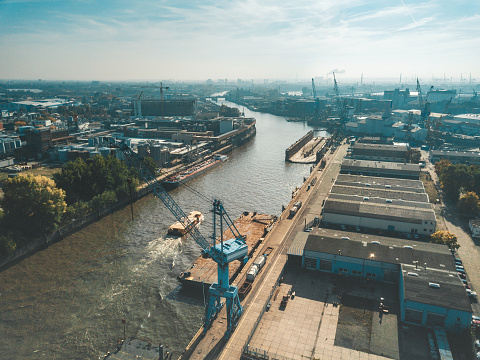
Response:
column 231, row 39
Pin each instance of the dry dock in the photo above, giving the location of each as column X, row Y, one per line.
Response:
column 204, row 270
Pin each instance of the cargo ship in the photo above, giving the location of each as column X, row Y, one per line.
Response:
column 178, row 229
column 192, row 172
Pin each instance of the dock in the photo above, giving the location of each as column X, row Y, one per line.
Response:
column 203, row 271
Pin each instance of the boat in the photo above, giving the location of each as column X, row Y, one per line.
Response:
column 178, row 229
column 192, row 172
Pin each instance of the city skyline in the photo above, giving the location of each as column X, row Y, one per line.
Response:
column 146, row 40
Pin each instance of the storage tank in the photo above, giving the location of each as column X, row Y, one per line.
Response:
column 119, row 154
column 155, row 152
column 260, row 261
column 143, row 149
column 252, row 273
column 62, row 155
column 104, row 151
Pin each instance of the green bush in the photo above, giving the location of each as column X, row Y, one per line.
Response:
column 7, row 245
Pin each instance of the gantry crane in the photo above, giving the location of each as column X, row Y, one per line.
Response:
column 221, row 251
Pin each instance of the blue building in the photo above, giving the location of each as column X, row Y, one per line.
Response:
column 430, row 290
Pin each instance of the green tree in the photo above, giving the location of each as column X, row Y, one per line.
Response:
column 413, row 156
column 446, row 238
column 468, row 204
column 150, row 164
column 7, row 245
column 33, row 205
column 453, row 178
column 441, row 165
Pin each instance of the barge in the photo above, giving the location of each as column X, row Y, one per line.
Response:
column 203, row 271
column 192, row 172
column 178, row 229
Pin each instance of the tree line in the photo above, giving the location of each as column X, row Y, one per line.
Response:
column 34, row 206
column 461, row 184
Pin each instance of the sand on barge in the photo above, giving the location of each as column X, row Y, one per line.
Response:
column 204, row 270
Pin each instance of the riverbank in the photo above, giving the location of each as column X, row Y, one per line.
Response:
column 242, row 137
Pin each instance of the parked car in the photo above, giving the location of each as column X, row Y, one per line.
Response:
column 358, row 229
column 462, row 275
column 343, row 227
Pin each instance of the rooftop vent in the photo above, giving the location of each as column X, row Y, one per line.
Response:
column 434, row 285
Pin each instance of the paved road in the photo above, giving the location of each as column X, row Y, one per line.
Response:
column 469, row 249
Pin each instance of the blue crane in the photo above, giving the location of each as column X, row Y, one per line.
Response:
column 222, row 252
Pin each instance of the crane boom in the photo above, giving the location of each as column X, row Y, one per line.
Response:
column 163, row 195
column 222, row 252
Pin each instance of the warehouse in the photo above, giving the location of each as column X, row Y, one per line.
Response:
column 379, row 152
column 386, row 183
column 430, row 291
column 455, row 157
column 380, row 168
column 382, row 192
column 387, row 215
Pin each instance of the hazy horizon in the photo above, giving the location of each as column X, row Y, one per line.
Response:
column 276, row 40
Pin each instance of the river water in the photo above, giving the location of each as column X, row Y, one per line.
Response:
column 68, row 301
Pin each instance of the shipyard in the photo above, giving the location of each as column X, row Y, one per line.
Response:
column 239, row 180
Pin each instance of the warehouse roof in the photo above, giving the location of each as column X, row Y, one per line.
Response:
column 379, row 147
column 448, row 290
column 381, row 181
column 435, row 259
column 380, row 200
column 380, row 165
column 381, row 192
column 384, row 211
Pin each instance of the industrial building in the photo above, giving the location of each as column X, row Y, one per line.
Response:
column 455, row 157
column 430, row 291
column 160, row 108
column 379, row 152
column 384, row 215
column 378, row 168
column 389, row 204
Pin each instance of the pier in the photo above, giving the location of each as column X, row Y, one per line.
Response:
column 267, row 288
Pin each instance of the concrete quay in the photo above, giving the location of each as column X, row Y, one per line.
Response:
column 283, row 235
column 212, row 345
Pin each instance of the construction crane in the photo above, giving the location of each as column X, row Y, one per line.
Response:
column 139, row 96
column 335, row 87
column 317, row 104
column 221, row 251
column 161, row 93
column 424, row 107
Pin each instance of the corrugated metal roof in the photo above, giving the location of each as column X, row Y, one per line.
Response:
column 298, row 244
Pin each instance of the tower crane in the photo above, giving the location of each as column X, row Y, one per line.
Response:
column 424, row 107
column 221, row 251
column 161, row 93
column 317, row 104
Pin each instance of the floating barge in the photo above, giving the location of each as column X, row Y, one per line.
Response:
column 204, row 270
column 178, row 229
column 192, row 172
